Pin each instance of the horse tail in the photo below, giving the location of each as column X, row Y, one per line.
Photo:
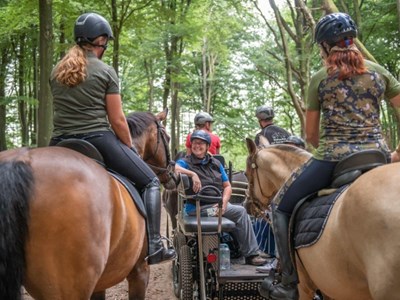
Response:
column 16, row 183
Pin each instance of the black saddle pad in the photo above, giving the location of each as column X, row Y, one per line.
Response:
column 132, row 191
column 310, row 218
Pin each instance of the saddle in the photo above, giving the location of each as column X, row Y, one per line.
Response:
column 311, row 213
column 86, row 148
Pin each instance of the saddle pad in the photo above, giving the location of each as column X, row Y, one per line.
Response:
column 311, row 218
column 132, row 191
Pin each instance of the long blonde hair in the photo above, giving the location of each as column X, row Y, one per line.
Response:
column 71, row 70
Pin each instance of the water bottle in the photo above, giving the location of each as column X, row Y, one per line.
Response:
column 224, row 257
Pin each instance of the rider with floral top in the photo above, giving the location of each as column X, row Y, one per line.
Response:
column 342, row 117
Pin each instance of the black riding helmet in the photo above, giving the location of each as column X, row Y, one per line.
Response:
column 201, row 135
column 89, row 26
column 335, row 27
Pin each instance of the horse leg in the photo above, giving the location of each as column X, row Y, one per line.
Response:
column 98, row 296
column 306, row 287
column 138, row 278
column 170, row 202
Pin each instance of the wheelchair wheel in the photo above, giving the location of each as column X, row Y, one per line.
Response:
column 186, row 273
column 179, row 242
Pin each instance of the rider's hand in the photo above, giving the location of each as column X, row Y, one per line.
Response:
column 196, row 183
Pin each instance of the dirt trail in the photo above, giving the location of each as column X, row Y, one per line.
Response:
column 160, row 285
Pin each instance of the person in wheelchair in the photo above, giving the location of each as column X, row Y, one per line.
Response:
column 206, row 170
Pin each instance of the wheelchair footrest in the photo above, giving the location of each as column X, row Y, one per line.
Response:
column 241, row 290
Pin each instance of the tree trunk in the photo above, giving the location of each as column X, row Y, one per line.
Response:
column 398, row 15
column 22, row 103
column 3, row 106
column 116, row 30
column 45, row 112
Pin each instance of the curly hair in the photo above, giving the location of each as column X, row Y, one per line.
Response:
column 71, row 70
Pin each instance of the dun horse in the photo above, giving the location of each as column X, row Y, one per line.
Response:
column 357, row 255
column 67, row 228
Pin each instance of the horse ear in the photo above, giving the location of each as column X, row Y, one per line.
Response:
column 251, row 146
column 264, row 141
column 161, row 116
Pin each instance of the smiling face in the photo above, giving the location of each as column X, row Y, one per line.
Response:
column 199, row 148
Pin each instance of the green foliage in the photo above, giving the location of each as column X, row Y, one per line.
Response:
column 247, row 60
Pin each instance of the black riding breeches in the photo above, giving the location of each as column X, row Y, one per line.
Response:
column 312, row 176
column 117, row 156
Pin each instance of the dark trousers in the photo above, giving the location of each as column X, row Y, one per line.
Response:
column 312, row 176
column 117, row 156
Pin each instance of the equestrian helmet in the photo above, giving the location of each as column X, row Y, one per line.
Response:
column 295, row 140
column 201, row 135
column 335, row 27
column 89, row 26
column 202, row 117
column 264, row 112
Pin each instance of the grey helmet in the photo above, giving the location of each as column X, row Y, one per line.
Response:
column 335, row 27
column 201, row 118
column 264, row 112
column 89, row 26
column 201, row 135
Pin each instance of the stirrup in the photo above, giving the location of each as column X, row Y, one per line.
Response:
column 160, row 252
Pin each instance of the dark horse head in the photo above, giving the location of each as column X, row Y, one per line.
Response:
column 152, row 142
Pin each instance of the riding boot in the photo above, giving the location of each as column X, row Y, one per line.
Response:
column 152, row 199
column 287, row 288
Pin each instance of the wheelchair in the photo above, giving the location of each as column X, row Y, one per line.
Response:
column 196, row 271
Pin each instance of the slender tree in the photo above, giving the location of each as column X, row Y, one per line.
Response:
column 45, row 112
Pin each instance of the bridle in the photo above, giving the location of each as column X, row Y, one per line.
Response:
column 162, row 138
column 251, row 197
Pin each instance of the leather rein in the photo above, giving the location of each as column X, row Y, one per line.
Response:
column 252, row 199
column 162, row 139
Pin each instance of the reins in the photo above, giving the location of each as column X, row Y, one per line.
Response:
column 161, row 137
column 252, row 199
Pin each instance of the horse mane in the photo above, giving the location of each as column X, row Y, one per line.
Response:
column 292, row 149
column 281, row 160
column 139, row 122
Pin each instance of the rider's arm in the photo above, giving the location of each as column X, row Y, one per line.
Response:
column 218, row 145
column 117, row 118
column 312, row 127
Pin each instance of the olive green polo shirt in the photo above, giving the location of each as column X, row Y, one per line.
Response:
column 82, row 108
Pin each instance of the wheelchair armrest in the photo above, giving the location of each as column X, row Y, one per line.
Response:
column 185, row 186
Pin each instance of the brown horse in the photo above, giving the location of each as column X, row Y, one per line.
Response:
column 357, row 255
column 68, row 228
